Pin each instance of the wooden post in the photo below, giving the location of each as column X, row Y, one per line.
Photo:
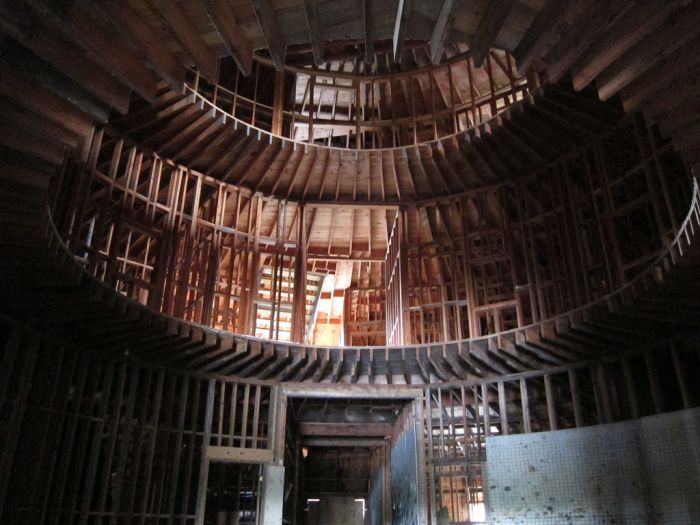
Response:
column 299, row 305
column 278, row 104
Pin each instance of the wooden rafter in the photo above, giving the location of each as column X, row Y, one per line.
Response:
column 274, row 37
column 315, row 30
column 222, row 16
column 441, row 30
column 490, row 24
column 403, row 16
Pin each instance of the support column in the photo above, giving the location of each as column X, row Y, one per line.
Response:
column 278, row 104
column 299, row 305
column 272, row 495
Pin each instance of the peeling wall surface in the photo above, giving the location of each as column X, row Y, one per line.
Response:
column 404, row 492
column 645, row 471
column 376, row 497
column 335, row 510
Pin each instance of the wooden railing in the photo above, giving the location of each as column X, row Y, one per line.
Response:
column 449, row 104
column 424, row 354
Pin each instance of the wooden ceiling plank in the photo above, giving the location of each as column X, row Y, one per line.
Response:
column 189, row 38
column 63, row 55
column 403, row 15
column 36, row 84
column 315, row 30
column 588, row 29
column 163, row 62
column 79, row 25
column 486, row 32
column 540, row 34
column 39, row 125
column 668, row 71
column 676, row 31
column 441, row 30
column 271, row 31
column 222, row 16
column 616, row 41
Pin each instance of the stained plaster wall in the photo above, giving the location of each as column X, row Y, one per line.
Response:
column 645, row 471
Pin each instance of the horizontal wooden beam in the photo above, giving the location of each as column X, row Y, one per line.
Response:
column 239, row 455
column 345, row 429
column 344, row 442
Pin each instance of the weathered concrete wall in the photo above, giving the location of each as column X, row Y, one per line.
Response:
column 335, row 510
column 375, row 502
column 404, row 492
column 637, row 472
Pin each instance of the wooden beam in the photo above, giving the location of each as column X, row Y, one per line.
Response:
column 271, row 31
column 368, row 27
column 344, row 442
column 539, row 35
column 315, row 30
column 239, row 455
column 487, row 31
column 443, row 24
column 222, row 16
column 345, row 429
column 187, row 35
column 403, row 14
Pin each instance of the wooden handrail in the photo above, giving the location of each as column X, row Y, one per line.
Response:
column 663, row 262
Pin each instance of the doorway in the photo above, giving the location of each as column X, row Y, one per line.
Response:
column 354, row 459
